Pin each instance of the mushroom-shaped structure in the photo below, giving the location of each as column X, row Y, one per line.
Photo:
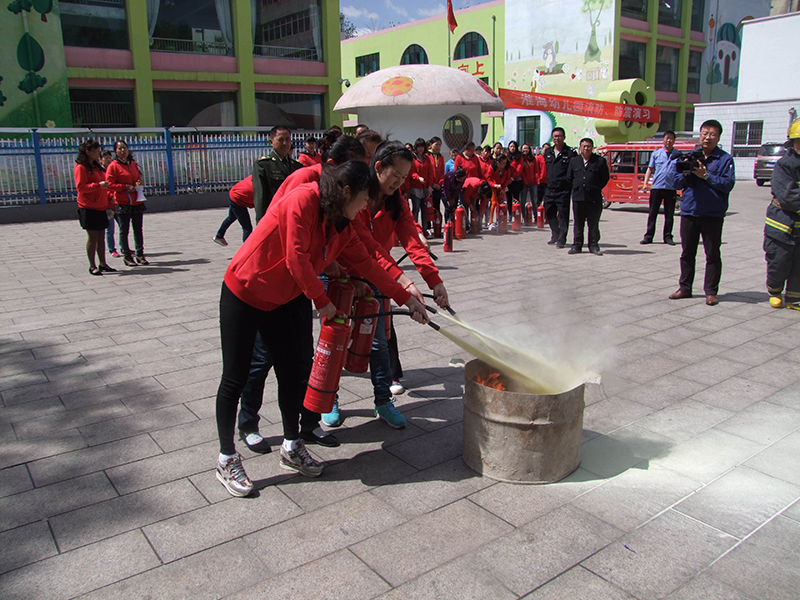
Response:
column 411, row 101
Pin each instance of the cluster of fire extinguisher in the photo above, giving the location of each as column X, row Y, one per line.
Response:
column 344, row 342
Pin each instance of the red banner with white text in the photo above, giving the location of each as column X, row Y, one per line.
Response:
column 586, row 107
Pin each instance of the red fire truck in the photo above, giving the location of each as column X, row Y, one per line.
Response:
column 627, row 164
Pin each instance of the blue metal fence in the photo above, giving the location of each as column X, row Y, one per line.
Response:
column 36, row 166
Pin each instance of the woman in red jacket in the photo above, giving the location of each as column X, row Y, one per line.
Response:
column 130, row 208
column 269, row 287
column 530, row 178
column 499, row 178
column 92, row 203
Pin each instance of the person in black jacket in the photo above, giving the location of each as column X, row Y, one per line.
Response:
column 556, row 197
column 588, row 175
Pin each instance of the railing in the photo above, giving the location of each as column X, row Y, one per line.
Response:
column 102, row 114
column 200, row 47
column 117, row 3
column 36, row 166
column 286, row 52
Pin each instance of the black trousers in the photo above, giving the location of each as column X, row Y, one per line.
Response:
column 710, row 229
column 127, row 216
column 512, row 193
column 586, row 212
column 656, row 198
column 394, row 354
column 783, row 268
column 556, row 211
column 287, row 332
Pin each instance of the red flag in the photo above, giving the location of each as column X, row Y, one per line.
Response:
column 451, row 16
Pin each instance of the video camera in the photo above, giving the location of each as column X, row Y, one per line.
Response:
column 688, row 161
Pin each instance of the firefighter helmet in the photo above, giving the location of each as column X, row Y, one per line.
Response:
column 794, row 130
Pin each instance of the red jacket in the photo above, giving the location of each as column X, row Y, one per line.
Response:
column 382, row 229
column 471, row 165
column 242, row 193
column 541, row 169
column 469, row 190
column 486, row 168
column 125, row 174
column 90, row 194
column 530, row 171
column 502, row 180
column 420, row 168
column 291, row 245
column 309, row 161
column 515, row 166
column 436, row 168
column 305, row 175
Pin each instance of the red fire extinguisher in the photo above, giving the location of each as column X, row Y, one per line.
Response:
column 461, row 223
column 437, row 224
column 448, row 237
column 516, row 224
column 528, row 213
column 502, row 218
column 341, row 293
column 474, row 220
column 540, row 216
column 323, row 382
column 358, row 351
column 429, row 212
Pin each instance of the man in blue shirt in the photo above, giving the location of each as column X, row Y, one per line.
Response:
column 662, row 169
column 450, row 165
column 703, row 206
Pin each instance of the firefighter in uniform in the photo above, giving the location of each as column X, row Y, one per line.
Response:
column 782, row 229
column 270, row 171
column 556, row 197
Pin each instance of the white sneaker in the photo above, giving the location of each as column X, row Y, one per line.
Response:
column 396, row 388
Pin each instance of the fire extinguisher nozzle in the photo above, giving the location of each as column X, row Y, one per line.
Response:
column 433, row 256
column 434, row 325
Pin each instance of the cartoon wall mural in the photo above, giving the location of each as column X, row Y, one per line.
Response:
column 32, row 55
column 569, row 52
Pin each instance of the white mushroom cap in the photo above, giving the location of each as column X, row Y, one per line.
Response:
column 418, row 85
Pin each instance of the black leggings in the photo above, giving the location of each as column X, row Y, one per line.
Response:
column 288, row 335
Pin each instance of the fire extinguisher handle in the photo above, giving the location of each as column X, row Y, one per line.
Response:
column 447, row 308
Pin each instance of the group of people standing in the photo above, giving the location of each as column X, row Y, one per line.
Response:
column 108, row 191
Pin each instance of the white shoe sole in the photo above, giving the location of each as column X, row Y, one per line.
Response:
column 232, row 491
column 296, row 469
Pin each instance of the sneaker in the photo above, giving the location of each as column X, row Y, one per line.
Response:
column 115, row 254
column 233, row 477
column 300, row 460
column 142, row 260
column 776, row 302
column 255, row 442
column 396, row 388
column 320, row 437
column 129, row 262
column 220, row 240
column 333, row 418
column 390, row 414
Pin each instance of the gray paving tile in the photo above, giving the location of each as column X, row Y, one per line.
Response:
column 661, row 556
column 778, row 460
column 215, row 524
column 578, row 583
column 683, row 420
column 40, row 391
column 734, row 394
column 705, row 587
column 711, row 370
column 15, row 453
column 763, row 422
column 766, row 562
column 612, row 454
column 131, row 425
column 429, row 541
column 663, row 391
column 83, row 570
column 432, row 448
column 536, row 553
column 185, row 435
column 739, row 501
column 346, row 578
column 25, row 545
column 87, row 460
column 651, row 367
column 75, row 400
column 14, row 480
column 58, row 421
column 607, row 415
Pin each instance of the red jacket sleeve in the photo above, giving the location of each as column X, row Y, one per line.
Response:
column 355, row 253
column 83, row 182
column 381, row 254
column 406, row 229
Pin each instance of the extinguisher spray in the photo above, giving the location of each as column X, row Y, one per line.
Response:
column 323, row 382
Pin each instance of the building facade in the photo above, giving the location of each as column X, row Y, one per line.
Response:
column 475, row 47
column 125, row 63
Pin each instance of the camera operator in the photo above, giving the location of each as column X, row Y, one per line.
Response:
column 703, row 206
column 662, row 170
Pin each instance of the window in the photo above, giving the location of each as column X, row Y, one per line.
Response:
column 296, row 111
column 623, row 162
column 457, row 132
column 635, row 9
column 288, row 29
column 197, row 26
column 698, row 15
column 747, row 137
column 631, row 59
column 667, row 120
column 471, row 45
column 367, row 64
column 670, row 12
column 484, row 131
column 102, row 108
column 688, row 121
column 667, row 69
column 195, row 109
column 528, row 131
column 414, row 55
column 693, row 79
column 94, row 23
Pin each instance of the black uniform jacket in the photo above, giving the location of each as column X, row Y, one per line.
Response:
column 783, row 213
column 557, row 167
column 588, row 181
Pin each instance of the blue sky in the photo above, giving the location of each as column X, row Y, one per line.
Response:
column 367, row 15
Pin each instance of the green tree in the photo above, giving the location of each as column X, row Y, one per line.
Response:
column 593, row 53
column 346, row 27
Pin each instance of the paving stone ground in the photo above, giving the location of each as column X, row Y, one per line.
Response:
column 688, row 487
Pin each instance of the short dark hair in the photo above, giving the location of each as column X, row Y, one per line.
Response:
column 469, row 145
column 434, row 139
column 590, row 140
column 420, row 142
column 561, row 129
column 669, row 132
column 345, row 148
column 712, row 123
column 485, row 190
column 487, row 147
column 273, row 132
column 460, row 173
column 310, row 139
column 546, row 144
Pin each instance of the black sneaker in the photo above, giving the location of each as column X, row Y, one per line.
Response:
column 255, row 442
column 327, row 439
